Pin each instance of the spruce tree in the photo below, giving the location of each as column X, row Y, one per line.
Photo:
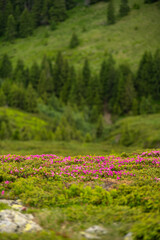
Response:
column 145, row 76
column 10, row 29
column 156, row 75
column 110, row 13
column 34, row 75
column 86, row 75
column 2, row 98
column 5, row 67
column 45, row 84
column 108, row 80
column 19, row 74
column 124, row 8
column 30, row 99
column 58, row 74
column 125, row 91
column 74, row 42
column 59, row 10
column 26, row 24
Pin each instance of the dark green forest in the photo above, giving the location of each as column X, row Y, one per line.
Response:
column 56, row 88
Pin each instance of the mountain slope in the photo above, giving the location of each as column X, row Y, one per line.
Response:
column 126, row 40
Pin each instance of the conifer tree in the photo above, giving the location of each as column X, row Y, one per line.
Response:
column 5, row 67
column 58, row 73
column 26, row 24
column 19, row 74
column 36, row 12
column 156, row 76
column 144, row 78
column 34, row 75
column 30, row 99
column 99, row 127
column 59, row 10
column 124, row 8
column 66, row 89
column 110, row 13
column 125, row 91
column 2, row 98
column 16, row 97
column 10, row 29
column 45, row 84
column 86, row 75
column 74, row 42
column 108, row 80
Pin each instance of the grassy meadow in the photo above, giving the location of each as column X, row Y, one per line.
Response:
column 67, row 195
column 126, row 40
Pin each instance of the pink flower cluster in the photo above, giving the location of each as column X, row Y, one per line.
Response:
column 81, row 168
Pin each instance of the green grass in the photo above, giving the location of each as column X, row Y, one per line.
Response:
column 142, row 131
column 61, row 148
column 126, row 40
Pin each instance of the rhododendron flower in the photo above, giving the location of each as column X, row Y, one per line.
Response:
column 2, row 193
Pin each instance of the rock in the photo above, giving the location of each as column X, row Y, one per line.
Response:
column 13, row 221
column 128, row 236
column 15, row 204
column 96, row 230
column 89, row 235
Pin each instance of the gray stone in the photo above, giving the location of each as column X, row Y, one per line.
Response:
column 98, row 230
column 13, row 221
column 128, row 236
column 89, row 235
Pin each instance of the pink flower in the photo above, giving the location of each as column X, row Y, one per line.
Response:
column 2, row 193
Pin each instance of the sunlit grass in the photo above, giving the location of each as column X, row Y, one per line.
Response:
column 126, row 40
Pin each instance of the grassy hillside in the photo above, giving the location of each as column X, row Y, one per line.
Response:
column 126, row 40
column 21, row 125
column 142, row 131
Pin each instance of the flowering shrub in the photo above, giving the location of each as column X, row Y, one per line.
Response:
column 47, row 181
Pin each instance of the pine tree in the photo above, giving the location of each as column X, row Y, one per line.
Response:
column 46, row 84
column 156, row 76
column 34, row 75
column 108, row 80
column 16, row 97
column 70, row 4
column 59, row 10
column 2, row 98
column 86, row 75
column 26, row 24
column 19, row 74
column 74, row 42
column 30, row 99
column 37, row 12
column 145, row 76
column 110, row 13
column 58, row 74
column 10, row 29
column 99, row 127
column 66, row 89
column 124, row 8
column 5, row 67
column 125, row 91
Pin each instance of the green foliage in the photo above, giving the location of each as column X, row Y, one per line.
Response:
column 5, row 67
column 2, row 98
column 146, row 106
column 10, row 29
column 124, row 8
column 110, row 13
column 100, row 127
column 74, row 42
column 26, row 24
